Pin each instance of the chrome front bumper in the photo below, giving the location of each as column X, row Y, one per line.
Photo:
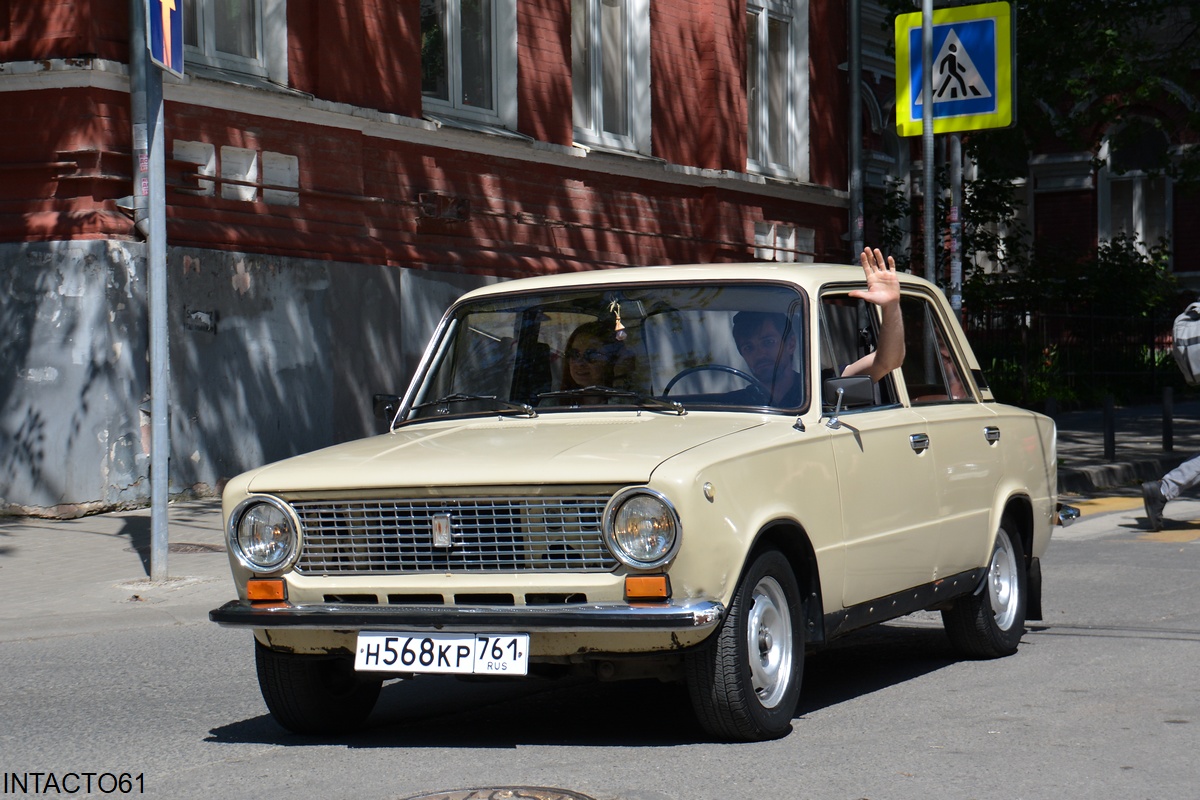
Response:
column 693, row 615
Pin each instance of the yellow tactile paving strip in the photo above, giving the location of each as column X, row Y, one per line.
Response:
column 1179, row 531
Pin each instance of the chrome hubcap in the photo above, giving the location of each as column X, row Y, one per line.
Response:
column 769, row 641
column 1002, row 582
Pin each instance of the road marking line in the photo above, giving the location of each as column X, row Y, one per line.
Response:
column 1102, row 505
column 1171, row 537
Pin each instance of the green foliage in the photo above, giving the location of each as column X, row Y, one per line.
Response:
column 1087, row 69
column 1082, row 65
column 1073, row 323
column 1033, row 383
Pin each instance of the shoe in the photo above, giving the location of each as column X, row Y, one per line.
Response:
column 1154, row 501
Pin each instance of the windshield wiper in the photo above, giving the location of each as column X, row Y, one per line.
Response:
column 501, row 405
column 644, row 400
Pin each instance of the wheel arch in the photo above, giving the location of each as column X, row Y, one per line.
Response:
column 790, row 538
column 1019, row 509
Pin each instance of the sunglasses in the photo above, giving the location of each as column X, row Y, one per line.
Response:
column 590, row 356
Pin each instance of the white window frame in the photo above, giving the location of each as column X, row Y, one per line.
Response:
column 793, row 164
column 775, row 241
column 504, row 68
column 637, row 100
column 271, row 59
column 1140, row 184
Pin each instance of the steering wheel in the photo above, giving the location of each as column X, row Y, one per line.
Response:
column 764, row 394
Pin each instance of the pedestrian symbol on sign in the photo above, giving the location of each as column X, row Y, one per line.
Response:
column 955, row 74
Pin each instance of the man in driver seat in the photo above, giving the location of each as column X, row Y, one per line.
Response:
column 768, row 346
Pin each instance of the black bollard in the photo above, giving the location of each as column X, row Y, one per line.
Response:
column 1168, row 419
column 1110, row 443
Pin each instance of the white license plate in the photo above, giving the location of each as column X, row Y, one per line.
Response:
column 450, row 653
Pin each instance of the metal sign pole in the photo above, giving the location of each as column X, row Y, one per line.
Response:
column 927, row 134
column 151, row 186
column 956, row 218
column 856, row 177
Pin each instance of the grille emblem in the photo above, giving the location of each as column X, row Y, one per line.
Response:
column 442, row 537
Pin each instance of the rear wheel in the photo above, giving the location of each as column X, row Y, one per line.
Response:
column 314, row 694
column 745, row 681
column 991, row 622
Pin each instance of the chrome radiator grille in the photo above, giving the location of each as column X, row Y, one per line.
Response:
column 487, row 534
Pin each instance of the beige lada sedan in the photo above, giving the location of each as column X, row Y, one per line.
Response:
column 598, row 474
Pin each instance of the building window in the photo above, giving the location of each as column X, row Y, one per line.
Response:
column 1135, row 194
column 469, row 59
column 775, row 241
column 610, row 73
column 243, row 36
column 777, row 87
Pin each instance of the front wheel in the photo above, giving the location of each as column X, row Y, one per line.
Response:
column 314, row 694
column 745, row 680
column 991, row 622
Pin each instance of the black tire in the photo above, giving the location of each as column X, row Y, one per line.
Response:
column 745, row 680
column 991, row 622
column 313, row 694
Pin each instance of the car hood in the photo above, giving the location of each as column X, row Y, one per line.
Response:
column 595, row 447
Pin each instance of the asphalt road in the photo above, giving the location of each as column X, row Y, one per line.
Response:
column 1100, row 702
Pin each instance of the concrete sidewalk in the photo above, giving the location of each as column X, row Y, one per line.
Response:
column 60, row 577
column 1138, row 452
column 63, row 577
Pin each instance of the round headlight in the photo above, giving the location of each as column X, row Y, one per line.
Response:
column 642, row 528
column 263, row 534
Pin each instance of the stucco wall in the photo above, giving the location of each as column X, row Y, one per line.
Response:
column 270, row 356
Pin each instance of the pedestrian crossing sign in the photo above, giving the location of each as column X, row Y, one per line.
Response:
column 973, row 69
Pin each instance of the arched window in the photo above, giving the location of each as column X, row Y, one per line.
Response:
column 1134, row 191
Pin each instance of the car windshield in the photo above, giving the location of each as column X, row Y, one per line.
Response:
column 673, row 347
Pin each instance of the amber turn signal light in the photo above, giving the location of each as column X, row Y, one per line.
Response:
column 265, row 590
column 647, row 587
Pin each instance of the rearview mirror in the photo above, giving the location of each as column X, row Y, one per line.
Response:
column 856, row 391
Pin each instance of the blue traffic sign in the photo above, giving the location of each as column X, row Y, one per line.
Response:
column 164, row 34
column 972, row 69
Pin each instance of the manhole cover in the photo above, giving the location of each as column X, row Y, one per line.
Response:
column 182, row 547
column 504, row 793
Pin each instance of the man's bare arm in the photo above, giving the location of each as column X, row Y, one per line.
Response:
column 883, row 290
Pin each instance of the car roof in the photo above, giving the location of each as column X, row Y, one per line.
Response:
column 808, row 276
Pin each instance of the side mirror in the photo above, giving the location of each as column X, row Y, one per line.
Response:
column 853, row 392
column 386, row 406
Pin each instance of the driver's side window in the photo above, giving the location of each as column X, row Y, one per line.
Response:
column 849, row 331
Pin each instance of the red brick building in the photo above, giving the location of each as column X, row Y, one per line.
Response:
column 338, row 171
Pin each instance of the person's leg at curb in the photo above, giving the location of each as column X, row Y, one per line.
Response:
column 1156, row 494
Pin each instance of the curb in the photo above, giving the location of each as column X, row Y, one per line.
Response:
column 1116, row 475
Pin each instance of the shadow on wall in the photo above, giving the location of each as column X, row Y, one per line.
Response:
column 274, row 356
column 269, row 357
column 70, row 383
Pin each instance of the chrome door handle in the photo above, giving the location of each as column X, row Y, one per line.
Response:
column 919, row 442
column 991, row 433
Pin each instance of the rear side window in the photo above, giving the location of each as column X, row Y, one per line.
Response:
column 932, row 369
